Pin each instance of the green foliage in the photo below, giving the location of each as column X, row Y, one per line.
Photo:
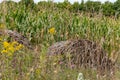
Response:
column 69, row 23
column 92, row 6
column 116, row 7
column 108, row 9
column 64, row 5
column 27, row 3
column 76, row 7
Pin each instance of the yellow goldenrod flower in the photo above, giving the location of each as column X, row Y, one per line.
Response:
column 14, row 43
column 19, row 47
column 4, row 51
column 6, row 44
column 52, row 30
column 11, row 49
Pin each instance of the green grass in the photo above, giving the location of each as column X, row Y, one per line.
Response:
column 35, row 65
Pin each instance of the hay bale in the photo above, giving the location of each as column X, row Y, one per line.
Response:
column 85, row 53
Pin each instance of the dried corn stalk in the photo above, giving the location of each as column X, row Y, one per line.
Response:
column 85, row 53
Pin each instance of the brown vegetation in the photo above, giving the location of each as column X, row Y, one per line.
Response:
column 85, row 53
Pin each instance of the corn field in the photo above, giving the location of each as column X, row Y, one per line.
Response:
column 44, row 27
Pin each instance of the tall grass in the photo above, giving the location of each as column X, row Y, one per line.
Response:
column 33, row 65
column 68, row 26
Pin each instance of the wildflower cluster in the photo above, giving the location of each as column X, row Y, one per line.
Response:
column 11, row 47
column 52, row 30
